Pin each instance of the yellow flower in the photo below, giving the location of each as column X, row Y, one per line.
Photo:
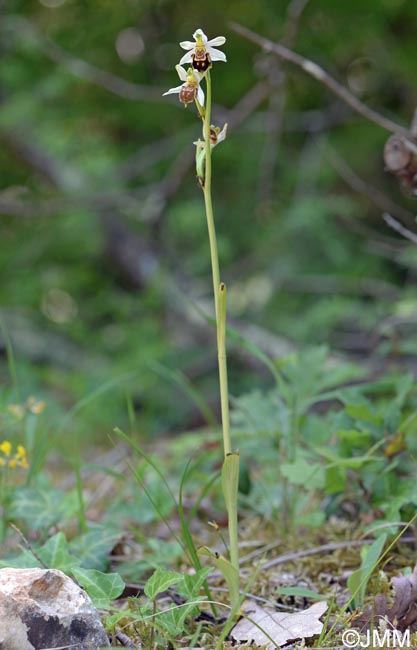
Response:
column 21, row 451
column 6, row 448
column 19, row 458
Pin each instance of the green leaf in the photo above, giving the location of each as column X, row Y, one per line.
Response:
column 303, row 472
column 260, row 414
column 160, row 581
column 56, row 555
column 191, row 584
column 92, row 549
column 354, row 438
column 300, row 591
column 174, row 619
column 363, row 412
column 25, row 560
column 392, row 418
column 101, row 587
column 359, row 579
column 42, row 507
column 228, row 571
column 335, row 479
column 162, row 552
column 355, row 462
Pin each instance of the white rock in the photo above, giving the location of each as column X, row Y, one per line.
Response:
column 45, row 609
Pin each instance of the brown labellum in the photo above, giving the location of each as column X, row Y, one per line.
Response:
column 202, row 61
column 188, row 93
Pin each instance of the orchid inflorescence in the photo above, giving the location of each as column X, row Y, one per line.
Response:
column 200, row 54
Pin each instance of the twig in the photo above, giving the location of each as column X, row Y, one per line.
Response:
column 28, row 545
column 24, row 147
column 359, row 185
column 125, row 641
column 274, row 118
column 80, row 68
column 325, row 548
column 294, row 10
column 151, row 154
column 289, row 557
column 332, row 284
column 321, row 75
column 245, row 107
column 399, row 227
column 266, row 601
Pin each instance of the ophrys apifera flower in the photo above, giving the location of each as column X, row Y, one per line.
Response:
column 201, row 53
column 190, row 89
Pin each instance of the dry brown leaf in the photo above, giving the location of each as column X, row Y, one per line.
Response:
column 402, row 614
column 279, row 626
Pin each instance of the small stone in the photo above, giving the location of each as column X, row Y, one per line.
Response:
column 46, row 609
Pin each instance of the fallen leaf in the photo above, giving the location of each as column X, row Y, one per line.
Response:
column 402, row 614
column 261, row 624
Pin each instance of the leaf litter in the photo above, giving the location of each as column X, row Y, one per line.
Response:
column 265, row 626
column 401, row 614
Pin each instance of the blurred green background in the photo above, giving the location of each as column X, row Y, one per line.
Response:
column 104, row 260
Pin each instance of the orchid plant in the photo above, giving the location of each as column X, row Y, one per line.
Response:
column 200, row 55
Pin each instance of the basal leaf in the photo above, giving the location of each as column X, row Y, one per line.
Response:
column 160, row 581
column 55, row 553
column 302, row 472
column 191, row 584
column 101, row 587
column 42, row 507
column 92, row 549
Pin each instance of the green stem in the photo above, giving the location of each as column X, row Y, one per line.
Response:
column 221, row 349
column 207, row 197
column 217, row 287
column 219, row 290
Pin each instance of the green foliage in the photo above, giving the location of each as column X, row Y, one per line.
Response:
column 314, row 245
column 43, row 506
column 172, row 620
column 345, row 444
column 92, row 548
column 93, row 158
column 359, row 579
column 57, row 553
column 102, row 588
column 159, row 581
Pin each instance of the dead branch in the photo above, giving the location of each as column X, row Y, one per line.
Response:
column 292, row 21
column 318, row 73
column 80, row 68
column 274, row 118
column 362, row 187
column 396, row 225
